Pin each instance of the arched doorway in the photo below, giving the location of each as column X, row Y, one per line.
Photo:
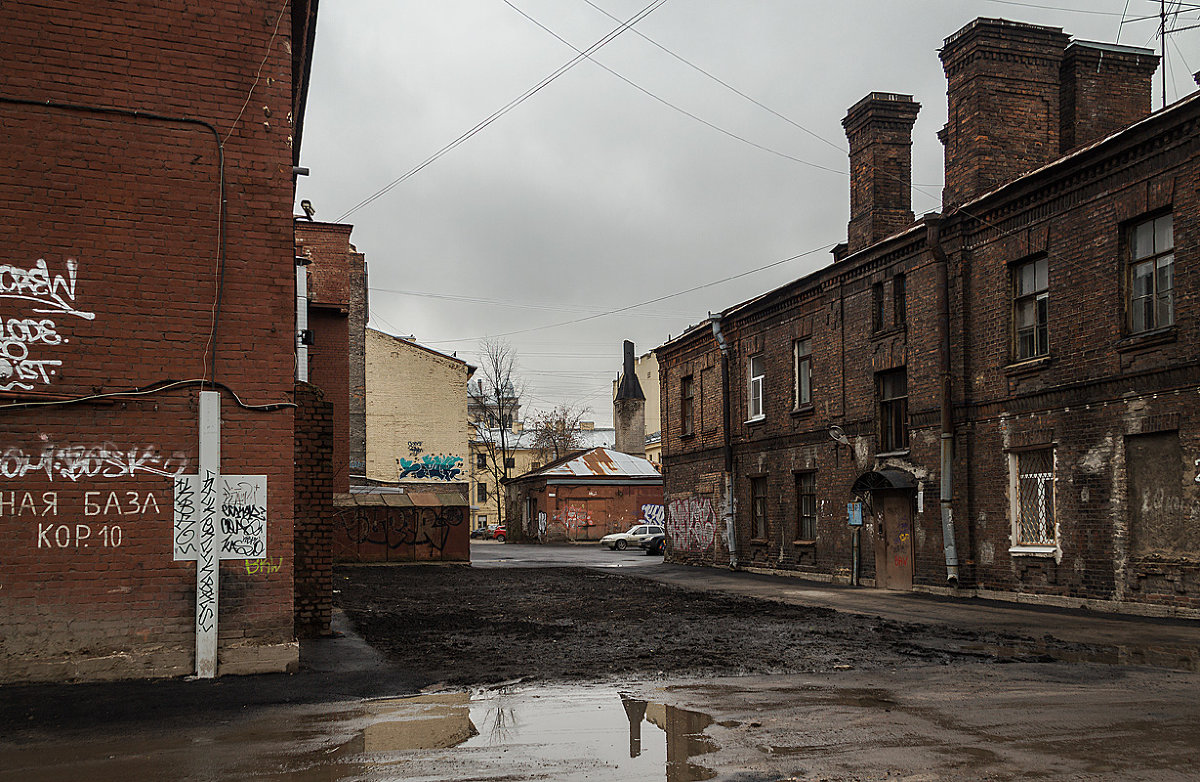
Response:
column 888, row 493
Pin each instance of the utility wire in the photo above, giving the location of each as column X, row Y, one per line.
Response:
column 693, row 289
column 720, row 81
column 671, row 105
column 640, row 15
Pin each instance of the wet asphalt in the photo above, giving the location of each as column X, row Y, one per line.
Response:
column 350, row 714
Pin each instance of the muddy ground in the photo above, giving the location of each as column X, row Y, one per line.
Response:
column 466, row 626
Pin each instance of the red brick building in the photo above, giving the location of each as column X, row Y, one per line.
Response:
column 146, row 254
column 585, row 495
column 337, row 318
column 1008, row 388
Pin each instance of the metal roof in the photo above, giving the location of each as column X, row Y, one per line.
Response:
column 600, row 463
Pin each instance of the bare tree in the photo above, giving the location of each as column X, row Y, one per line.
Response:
column 494, row 407
column 556, row 433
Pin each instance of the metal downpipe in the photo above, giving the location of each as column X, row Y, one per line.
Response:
column 727, row 447
column 950, row 548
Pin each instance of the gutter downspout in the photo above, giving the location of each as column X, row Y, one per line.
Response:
column 933, row 238
column 727, row 446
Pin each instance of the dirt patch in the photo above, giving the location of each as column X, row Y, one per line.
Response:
column 479, row 626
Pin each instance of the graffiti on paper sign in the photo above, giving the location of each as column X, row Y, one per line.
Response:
column 442, row 468
column 652, row 514
column 75, row 462
column 25, row 340
column 241, row 512
column 541, row 524
column 691, row 523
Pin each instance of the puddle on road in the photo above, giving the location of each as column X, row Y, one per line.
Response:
column 544, row 733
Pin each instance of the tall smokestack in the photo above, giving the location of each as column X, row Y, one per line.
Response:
column 629, row 409
column 879, row 130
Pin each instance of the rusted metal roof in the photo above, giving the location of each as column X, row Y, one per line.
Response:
column 601, row 462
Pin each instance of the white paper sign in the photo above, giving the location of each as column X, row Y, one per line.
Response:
column 243, row 516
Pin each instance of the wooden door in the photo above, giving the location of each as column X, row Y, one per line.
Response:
column 893, row 540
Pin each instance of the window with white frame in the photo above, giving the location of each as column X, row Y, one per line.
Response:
column 1032, row 492
column 802, row 359
column 1031, row 300
column 1152, row 274
column 757, row 377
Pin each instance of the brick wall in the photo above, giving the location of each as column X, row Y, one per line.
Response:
column 1114, row 406
column 314, row 512
column 124, row 211
column 420, row 524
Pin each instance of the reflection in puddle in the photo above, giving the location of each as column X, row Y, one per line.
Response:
column 559, row 733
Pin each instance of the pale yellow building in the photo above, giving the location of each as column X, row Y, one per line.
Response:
column 417, row 428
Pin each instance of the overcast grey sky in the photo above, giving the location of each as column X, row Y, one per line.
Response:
column 594, row 195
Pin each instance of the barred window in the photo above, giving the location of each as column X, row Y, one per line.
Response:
column 1033, row 504
column 806, row 506
column 1152, row 274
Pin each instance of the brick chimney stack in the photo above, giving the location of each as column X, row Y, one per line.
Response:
column 1003, row 104
column 1105, row 87
column 879, row 130
column 629, row 409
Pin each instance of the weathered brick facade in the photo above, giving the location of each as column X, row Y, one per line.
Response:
column 315, row 478
column 1071, row 407
column 132, row 276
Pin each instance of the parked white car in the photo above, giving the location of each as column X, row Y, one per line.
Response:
column 619, row 541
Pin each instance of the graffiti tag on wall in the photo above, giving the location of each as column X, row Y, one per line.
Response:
column 242, row 515
column 691, row 523
column 652, row 514
column 394, row 528
column 107, row 460
column 442, row 468
column 576, row 517
column 24, row 340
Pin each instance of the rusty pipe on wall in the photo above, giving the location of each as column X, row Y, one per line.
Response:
column 946, row 495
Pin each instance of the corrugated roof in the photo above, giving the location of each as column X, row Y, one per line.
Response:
column 601, row 462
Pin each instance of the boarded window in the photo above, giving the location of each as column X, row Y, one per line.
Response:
column 1158, row 522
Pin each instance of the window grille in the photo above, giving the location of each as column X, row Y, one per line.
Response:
column 1035, row 498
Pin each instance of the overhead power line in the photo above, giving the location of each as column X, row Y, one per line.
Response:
column 512, row 104
column 648, row 302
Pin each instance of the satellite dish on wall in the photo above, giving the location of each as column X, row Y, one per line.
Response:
column 838, row 435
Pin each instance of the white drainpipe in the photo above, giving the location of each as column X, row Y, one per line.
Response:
column 301, row 319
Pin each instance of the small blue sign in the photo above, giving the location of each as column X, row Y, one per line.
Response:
column 854, row 512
